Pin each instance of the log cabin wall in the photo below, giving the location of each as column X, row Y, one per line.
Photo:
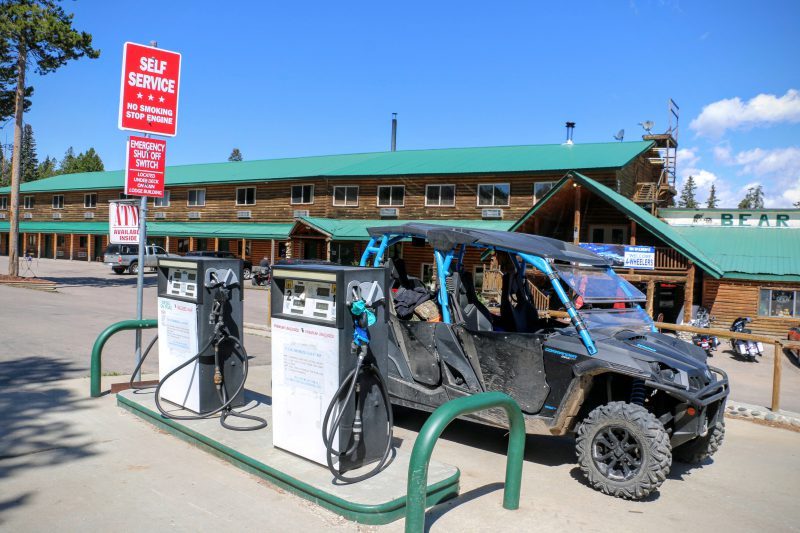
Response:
column 729, row 299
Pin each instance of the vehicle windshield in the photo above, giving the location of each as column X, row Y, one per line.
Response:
column 634, row 318
column 596, row 285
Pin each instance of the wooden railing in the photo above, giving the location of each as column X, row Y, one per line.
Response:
column 670, row 259
column 540, row 299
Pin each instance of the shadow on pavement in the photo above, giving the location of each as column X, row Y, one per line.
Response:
column 35, row 431
column 91, row 281
column 436, row 512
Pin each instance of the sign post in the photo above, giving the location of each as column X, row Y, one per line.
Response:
column 148, row 103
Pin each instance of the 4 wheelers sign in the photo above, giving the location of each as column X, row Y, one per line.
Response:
column 149, row 92
column 123, row 223
column 144, row 167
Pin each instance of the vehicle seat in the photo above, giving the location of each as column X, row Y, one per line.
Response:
column 399, row 275
column 522, row 316
column 466, row 306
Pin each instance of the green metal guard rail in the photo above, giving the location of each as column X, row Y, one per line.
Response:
column 432, row 430
column 97, row 350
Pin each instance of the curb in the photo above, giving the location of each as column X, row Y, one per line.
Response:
column 258, row 330
column 756, row 412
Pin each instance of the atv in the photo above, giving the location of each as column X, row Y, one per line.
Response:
column 633, row 398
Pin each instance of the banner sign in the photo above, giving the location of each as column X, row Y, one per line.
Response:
column 123, row 223
column 752, row 218
column 636, row 257
column 144, row 167
column 148, row 99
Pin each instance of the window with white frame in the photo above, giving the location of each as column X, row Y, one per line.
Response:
column 440, row 195
column 90, row 200
column 780, row 303
column 246, row 196
column 163, row 201
column 540, row 189
column 28, row 202
column 302, row 194
column 58, row 201
column 391, row 195
column 3, row 203
column 345, row 195
column 196, row 198
column 493, row 194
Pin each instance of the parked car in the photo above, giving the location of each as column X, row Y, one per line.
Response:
column 247, row 268
column 125, row 257
column 794, row 335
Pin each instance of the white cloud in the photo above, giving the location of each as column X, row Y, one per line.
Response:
column 687, row 157
column 760, row 162
column 722, row 153
column 761, row 110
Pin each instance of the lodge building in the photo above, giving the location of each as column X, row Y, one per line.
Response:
column 320, row 207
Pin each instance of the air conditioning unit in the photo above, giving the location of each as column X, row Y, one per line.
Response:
column 160, row 215
column 2, row 216
column 389, row 211
column 60, row 253
column 56, row 216
column 194, row 214
column 299, row 213
column 88, row 214
column 27, row 215
column 244, row 214
column 492, row 213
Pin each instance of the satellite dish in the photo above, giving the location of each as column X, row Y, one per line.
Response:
column 647, row 125
column 620, row 135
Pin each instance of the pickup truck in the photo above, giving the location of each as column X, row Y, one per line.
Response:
column 125, row 257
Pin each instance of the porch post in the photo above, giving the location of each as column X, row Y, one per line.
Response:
column 651, row 288
column 71, row 245
column 327, row 248
column 576, row 226
column 688, row 295
column 244, row 249
column 166, row 242
column 216, row 244
column 39, row 245
column 633, row 233
column 55, row 245
column 89, row 240
column 191, row 244
column 272, row 251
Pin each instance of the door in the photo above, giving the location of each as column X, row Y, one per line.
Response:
column 48, row 246
column 343, row 253
column 97, row 247
column 310, row 249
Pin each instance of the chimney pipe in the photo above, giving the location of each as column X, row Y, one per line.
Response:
column 570, row 127
column 394, row 132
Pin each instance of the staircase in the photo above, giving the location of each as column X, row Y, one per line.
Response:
column 646, row 193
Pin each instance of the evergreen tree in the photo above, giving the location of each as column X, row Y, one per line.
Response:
column 712, row 197
column 754, row 199
column 8, row 82
column 28, row 159
column 687, row 194
column 90, row 162
column 236, row 155
column 797, row 204
column 47, row 168
column 69, row 165
column 37, row 34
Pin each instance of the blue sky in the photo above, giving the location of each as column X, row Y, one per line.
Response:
column 285, row 79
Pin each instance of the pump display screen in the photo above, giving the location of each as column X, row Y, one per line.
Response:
column 311, row 299
column 182, row 282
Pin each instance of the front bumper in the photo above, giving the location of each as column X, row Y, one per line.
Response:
column 715, row 391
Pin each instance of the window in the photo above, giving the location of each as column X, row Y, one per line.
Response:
column 440, row 195
column 201, row 244
column 183, row 246
column 58, row 201
column 608, row 234
column 90, row 200
column 391, row 195
column 778, row 303
column 123, row 196
column 29, row 202
column 82, row 241
column 345, row 195
column 493, row 194
column 163, row 201
column 246, row 196
column 540, row 189
column 61, row 241
column 3, row 203
column 197, row 197
column 302, row 194
column 426, row 271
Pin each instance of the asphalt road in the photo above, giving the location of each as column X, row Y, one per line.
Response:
column 74, row 463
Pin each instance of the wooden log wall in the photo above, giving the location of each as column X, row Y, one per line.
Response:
column 730, row 299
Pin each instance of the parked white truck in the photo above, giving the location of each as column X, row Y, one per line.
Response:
column 125, row 257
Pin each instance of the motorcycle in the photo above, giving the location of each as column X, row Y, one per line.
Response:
column 260, row 275
column 748, row 349
column 706, row 341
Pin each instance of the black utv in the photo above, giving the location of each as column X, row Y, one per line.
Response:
column 634, row 398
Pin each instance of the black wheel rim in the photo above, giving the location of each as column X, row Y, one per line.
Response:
column 617, row 453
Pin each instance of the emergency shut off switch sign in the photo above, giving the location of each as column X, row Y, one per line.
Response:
column 145, row 166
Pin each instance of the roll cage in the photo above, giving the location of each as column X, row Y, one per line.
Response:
column 542, row 253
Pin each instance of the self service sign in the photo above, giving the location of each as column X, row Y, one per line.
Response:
column 144, row 167
column 149, row 93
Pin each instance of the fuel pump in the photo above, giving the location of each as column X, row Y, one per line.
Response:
column 330, row 402
column 203, row 364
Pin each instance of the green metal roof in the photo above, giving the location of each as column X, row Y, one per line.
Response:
column 525, row 158
column 356, row 230
column 748, row 251
column 657, row 227
column 158, row 229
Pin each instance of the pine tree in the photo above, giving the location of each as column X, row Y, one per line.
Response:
column 687, row 194
column 236, row 155
column 712, row 197
column 35, row 34
column 69, row 165
column 90, row 162
column 47, row 168
column 754, row 199
column 29, row 162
